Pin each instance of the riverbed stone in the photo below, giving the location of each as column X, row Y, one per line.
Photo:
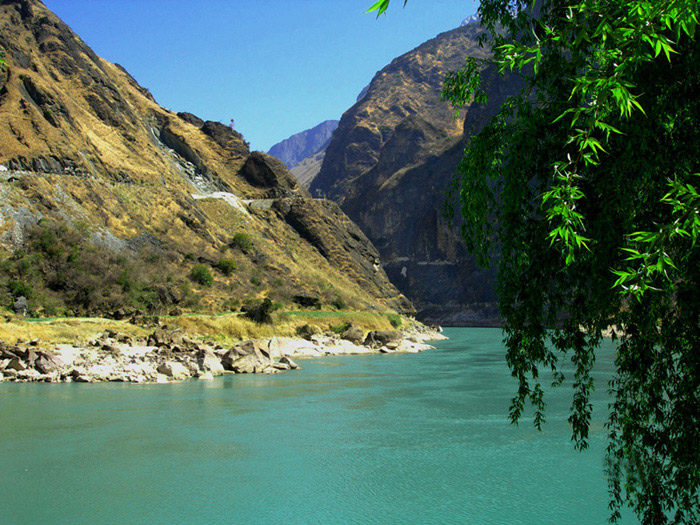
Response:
column 382, row 337
column 16, row 364
column 174, row 370
column 205, row 376
column 354, row 334
column 46, row 363
column 287, row 361
column 209, row 362
column 248, row 364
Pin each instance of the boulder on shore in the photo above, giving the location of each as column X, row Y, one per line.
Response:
column 291, row 364
column 382, row 338
column 248, row 364
column 46, row 363
column 209, row 362
column 354, row 334
column 174, row 370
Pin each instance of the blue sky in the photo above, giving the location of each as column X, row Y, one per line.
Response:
column 276, row 67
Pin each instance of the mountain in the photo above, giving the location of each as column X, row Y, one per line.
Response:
column 470, row 20
column 110, row 202
column 305, row 172
column 389, row 164
column 305, row 144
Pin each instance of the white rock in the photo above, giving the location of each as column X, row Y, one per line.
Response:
column 174, row 369
column 211, row 363
column 205, row 376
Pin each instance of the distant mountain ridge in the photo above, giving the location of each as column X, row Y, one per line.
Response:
column 304, row 144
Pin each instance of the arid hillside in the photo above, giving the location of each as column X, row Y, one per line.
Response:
column 110, row 202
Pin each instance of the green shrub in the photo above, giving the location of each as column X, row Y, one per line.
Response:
column 277, row 305
column 241, row 240
column 260, row 313
column 230, row 305
column 19, row 289
column 227, row 266
column 395, row 320
column 307, row 330
column 255, row 281
column 339, row 303
column 340, row 328
column 201, row 275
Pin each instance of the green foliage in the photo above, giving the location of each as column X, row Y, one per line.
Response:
column 19, row 289
column 260, row 313
column 241, row 240
column 277, row 305
column 227, row 266
column 307, row 330
column 395, row 320
column 200, row 274
column 584, row 185
column 339, row 303
column 340, row 328
column 380, row 6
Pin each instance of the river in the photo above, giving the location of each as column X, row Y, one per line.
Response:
column 396, row 438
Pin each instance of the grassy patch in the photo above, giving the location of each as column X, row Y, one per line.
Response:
column 224, row 328
column 64, row 330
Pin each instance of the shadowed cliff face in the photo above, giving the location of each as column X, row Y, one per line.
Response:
column 389, row 164
column 84, row 145
column 299, row 146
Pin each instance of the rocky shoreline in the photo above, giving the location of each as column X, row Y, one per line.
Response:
column 167, row 356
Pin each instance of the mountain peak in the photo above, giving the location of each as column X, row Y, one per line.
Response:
column 470, row 20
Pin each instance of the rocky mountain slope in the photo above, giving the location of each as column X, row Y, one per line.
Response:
column 389, row 163
column 299, row 146
column 109, row 201
column 305, row 172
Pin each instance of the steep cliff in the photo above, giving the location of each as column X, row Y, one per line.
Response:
column 96, row 176
column 389, row 164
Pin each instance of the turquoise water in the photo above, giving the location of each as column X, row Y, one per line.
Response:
column 352, row 439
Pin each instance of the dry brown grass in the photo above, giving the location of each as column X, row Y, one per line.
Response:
column 69, row 330
column 225, row 328
column 234, row 327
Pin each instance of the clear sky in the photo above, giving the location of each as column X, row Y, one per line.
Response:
column 277, row 67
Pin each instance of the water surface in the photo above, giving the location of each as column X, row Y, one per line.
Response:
column 349, row 439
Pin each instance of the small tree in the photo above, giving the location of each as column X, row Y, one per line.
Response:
column 261, row 313
column 201, row 275
column 227, row 266
column 241, row 240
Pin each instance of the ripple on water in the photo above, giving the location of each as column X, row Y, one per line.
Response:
column 349, row 439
